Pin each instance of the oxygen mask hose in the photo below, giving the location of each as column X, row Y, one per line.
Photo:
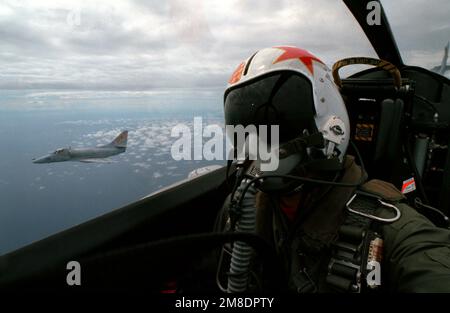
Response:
column 238, row 275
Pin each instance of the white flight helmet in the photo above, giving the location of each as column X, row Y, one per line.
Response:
column 297, row 92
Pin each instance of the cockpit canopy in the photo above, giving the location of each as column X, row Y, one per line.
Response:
column 61, row 151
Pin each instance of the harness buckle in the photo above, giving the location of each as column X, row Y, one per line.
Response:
column 371, row 216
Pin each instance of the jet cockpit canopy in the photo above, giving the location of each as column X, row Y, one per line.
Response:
column 61, row 151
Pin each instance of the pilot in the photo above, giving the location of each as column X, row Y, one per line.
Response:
column 334, row 229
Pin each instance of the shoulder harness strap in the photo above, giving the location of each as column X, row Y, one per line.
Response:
column 356, row 255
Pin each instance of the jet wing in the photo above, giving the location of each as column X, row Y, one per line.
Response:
column 102, row 161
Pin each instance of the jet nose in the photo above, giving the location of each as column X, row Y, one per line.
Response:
column 39, row 160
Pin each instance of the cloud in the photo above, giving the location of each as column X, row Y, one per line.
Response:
column 142, row 165
column 421, row 30
column 85, row 122
column 179, row 51
column 149, row 141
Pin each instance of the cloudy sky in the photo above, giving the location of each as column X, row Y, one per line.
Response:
column 185, row 49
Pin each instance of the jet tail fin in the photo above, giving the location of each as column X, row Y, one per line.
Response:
column 443, row 67
column 121, row 140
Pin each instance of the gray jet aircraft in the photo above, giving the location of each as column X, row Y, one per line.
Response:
column 88, row 155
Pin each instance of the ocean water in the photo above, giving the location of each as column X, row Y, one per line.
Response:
column 37, row 200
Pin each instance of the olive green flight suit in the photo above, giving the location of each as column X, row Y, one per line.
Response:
column 416, row 255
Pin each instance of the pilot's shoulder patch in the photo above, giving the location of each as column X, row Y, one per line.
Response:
column 383, row 189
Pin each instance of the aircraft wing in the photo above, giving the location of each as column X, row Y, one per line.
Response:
column 102, row 161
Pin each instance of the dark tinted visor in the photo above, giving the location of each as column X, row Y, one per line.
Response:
column 279, row 98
